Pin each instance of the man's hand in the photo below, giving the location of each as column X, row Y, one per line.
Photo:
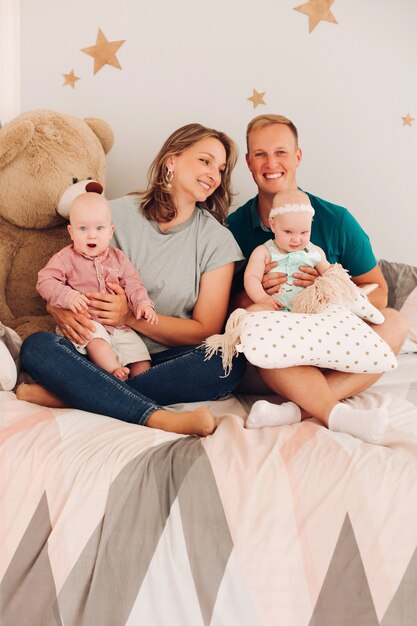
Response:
column 306, row 276
column 272, row 282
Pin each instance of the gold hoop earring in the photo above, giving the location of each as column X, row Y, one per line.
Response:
column 169, row 175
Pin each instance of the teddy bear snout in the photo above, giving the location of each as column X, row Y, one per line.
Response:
column 74, row 190
column 94, row 187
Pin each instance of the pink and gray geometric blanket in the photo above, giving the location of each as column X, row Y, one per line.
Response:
column 105, row 523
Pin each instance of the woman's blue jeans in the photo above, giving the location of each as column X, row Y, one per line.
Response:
column 177, row 375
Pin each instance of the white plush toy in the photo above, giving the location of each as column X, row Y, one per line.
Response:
column 336, row 287
column 335, row 339
column 9, row 356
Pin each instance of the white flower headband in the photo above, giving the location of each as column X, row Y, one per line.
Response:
column 291, row 208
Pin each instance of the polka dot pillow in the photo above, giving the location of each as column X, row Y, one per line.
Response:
column 335, row 338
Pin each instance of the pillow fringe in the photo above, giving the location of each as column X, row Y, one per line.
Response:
column 334, row 287
column 228, row 341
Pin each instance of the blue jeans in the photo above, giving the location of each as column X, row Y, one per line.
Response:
column 177, row 375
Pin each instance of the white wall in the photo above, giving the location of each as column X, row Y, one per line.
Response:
column 346, row 87
column 9, row 59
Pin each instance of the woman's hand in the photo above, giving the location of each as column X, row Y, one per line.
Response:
column 272, row 282
column 76, row 327
column 111, row 308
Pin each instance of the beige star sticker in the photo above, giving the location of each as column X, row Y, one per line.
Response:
column 407, row 120
column 104, row 52
column 70, row 79
column 257, row 98
column 317, row 11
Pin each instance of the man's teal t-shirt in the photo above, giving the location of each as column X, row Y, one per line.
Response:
column 334, row 229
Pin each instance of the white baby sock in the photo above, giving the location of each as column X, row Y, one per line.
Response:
column 366, row 424
column 265, row 413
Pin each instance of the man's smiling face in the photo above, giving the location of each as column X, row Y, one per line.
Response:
column 273, row 157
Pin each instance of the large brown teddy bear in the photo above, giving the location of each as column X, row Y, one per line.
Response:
column 42, row 153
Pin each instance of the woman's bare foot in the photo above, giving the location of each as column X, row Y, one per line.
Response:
column 39, row 395
column 122, row 373
column 198, row 422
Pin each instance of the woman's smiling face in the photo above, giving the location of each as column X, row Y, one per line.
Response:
column 198, row 170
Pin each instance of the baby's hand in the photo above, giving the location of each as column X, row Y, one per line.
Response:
column 271, row 302
column 149, row 314
column 80, row 303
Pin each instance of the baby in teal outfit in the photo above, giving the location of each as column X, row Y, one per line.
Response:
column 290, row 220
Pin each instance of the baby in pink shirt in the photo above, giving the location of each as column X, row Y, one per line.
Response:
column 88, row 265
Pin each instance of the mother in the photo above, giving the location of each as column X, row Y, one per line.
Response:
column 185, row 255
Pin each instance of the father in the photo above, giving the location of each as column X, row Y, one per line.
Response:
column 273, row 156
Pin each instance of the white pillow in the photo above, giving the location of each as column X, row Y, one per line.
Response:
column 8, row 371
column 402, row 295
column 335, row 338
column 10, row 343
column 409, row 312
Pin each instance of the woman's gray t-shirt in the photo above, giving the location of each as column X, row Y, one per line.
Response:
column 171, row 263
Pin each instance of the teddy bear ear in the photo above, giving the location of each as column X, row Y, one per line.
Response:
column 103, row 131
column 13, row 140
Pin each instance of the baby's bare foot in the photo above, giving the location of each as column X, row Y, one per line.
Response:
column 122, row 373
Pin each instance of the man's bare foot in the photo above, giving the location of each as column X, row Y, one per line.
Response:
column 198, row 422
column 39, row 395
column 122, row 373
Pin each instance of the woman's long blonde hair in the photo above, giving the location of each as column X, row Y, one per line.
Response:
column 158, row 201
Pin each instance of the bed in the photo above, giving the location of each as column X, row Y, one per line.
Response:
column 119, row 525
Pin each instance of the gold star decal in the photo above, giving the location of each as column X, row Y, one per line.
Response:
column 407, row 120
column 317, row 10
column 104, row 52
column 257, row 98
column 70, row 79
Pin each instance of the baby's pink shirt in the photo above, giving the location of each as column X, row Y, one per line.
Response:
column 69, row 270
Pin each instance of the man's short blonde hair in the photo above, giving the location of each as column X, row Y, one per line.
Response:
column 268, row 120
